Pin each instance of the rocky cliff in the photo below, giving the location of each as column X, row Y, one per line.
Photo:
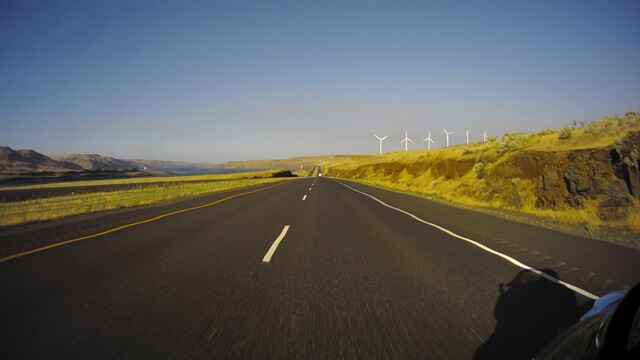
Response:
column 569, row 178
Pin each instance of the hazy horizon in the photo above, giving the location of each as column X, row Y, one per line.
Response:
column 239, row 80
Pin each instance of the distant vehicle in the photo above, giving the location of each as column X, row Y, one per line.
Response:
column 319, row 174
column 610, row 330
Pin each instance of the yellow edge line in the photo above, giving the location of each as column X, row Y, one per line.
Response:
column 132, row 224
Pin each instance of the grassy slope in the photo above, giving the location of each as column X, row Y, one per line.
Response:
column 415, row 171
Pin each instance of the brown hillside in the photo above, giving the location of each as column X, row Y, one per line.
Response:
column 30, row 161
column 96, row 162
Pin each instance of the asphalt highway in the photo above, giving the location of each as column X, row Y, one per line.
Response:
column 348, row 277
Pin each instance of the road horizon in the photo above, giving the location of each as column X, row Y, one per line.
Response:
column 310, row 268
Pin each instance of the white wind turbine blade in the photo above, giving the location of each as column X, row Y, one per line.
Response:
column 429, row 141
column 381, row 138
column 406, row 141
column 448, row 133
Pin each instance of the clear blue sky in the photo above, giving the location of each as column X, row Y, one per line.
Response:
column 232, row 80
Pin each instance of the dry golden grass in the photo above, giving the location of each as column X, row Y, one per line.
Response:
column 634, row 217
column 595, row 135
column 301, row 172
column 147, row 180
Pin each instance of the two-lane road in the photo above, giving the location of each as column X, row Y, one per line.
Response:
column 350, row 277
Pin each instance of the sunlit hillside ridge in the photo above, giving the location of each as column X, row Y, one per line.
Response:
column 582, row 174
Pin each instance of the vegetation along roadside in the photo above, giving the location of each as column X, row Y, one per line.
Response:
column 50, row 208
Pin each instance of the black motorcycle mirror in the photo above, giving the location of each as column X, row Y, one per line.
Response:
column 622, row 335
column 610, row 330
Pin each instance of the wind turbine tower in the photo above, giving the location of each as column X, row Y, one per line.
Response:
column 484, row 136
column 429, row 141
column 381, row 138
column 406, row 141
column 448, row 133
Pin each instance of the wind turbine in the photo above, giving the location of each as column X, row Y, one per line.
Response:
column 467, row 131
column 381, row 138
column 406, row 141
column 484, row 135
column 429, row 141
column 448, row 133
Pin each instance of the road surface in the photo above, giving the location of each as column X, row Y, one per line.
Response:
column 348, row 277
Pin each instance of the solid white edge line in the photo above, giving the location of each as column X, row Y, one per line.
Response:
column 274, row 246
column 483, row 247
column 304, row 197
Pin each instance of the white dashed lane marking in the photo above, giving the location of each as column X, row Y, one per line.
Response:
column 588, row 276
column 572, row 269
column 274, row 246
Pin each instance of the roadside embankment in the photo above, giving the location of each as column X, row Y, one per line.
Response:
column 586, row 178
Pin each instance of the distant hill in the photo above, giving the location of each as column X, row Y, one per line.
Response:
column 95, row 162
column 12, row 161
column 20, row 161
column 281, row 164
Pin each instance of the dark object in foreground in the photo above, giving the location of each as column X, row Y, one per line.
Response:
column 610, row 330
column 283, row 173
column 530, row 312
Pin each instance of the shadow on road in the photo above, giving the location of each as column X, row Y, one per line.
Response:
column 530, row 312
